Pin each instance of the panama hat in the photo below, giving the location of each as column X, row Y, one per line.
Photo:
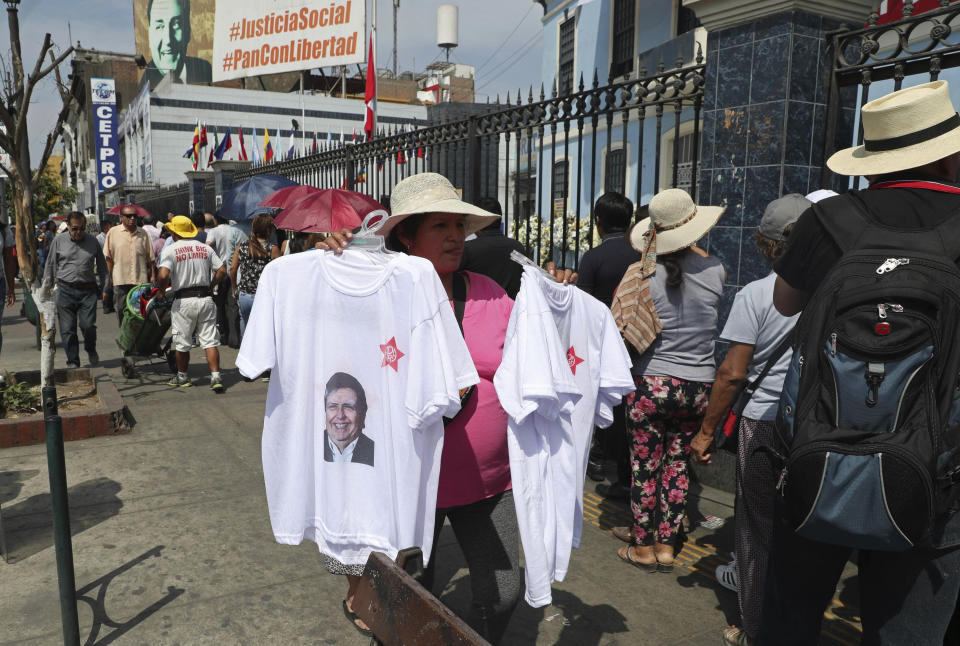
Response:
column 903, row 130
column 432, row 193
column 674, row 222
column 182, row 226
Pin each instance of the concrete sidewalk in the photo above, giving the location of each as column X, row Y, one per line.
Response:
column 172, row 540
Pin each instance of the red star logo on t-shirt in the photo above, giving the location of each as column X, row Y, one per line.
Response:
column 391, row 354
column 573, row 360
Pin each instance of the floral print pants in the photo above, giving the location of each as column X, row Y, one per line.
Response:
column 663, row 415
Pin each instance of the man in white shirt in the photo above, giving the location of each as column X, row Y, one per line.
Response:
column 346, row 412
column 192, row 268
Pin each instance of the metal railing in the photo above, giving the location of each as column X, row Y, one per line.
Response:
column 503, row 153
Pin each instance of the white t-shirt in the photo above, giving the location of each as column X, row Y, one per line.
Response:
column 191, row 264
column 387, row 323
column 214, row 240
column 549, row 442
column 755, row 321
column 601, row 366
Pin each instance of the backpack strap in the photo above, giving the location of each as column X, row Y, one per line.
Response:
column 851, row 226
column 844, row 220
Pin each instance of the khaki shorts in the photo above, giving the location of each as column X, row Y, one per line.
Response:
column 194, row 315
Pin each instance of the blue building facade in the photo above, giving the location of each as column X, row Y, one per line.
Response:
column 611, row 41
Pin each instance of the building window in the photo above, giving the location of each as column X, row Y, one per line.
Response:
column 566, row 56
column 622, row 60
column 684, row 162
column 614, row 172
column 559, row 180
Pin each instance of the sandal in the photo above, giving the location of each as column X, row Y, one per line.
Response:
column 735, row 636
column 665, row 557
column 354, row 618
column 625, row 555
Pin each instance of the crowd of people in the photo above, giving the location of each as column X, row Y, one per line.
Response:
column 665, row 293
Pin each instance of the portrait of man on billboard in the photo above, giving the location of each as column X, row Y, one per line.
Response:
column 168, row 31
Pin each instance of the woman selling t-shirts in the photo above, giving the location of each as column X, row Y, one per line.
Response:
column 431, row 221
column 674, row 375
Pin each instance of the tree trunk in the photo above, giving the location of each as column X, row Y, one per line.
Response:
column 27, row 259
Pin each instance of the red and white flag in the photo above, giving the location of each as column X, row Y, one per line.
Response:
column 370, row 95
column 243, row 148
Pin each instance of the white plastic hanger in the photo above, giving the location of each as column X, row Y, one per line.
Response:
column 519, row 258
column 367, row 239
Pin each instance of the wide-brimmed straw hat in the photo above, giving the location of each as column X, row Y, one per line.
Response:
column 903, row 130
column 432, row 193
column 182, row 226
column 674, row 222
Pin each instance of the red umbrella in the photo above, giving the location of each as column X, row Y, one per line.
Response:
column 141, row 212
column 284, row 197
column 327, row 210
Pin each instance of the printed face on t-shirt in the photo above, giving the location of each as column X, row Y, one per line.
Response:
column 343, row 419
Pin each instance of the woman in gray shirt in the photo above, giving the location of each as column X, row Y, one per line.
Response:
column 674, row 374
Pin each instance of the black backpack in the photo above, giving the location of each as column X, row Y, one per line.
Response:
column 869, row 411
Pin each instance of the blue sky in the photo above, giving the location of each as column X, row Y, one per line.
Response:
column 505, row 61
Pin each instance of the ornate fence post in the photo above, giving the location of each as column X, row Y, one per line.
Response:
column 349, row 167
column 471, row 189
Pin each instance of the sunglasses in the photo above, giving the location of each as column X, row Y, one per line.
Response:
column 77, row 228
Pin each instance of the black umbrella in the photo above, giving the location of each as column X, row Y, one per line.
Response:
column 241, row 202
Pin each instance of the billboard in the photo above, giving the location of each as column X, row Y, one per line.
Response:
column 175, row 37
column 104, row 99
column 254, row 37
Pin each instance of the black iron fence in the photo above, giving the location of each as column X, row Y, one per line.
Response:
column 916, row 45
column 538, row 155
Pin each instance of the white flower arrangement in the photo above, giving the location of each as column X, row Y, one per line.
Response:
column 518, row 231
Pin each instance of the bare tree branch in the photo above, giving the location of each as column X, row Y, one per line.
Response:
column 61, row 88
column 6, row 170
column 7, row 143
column 54, row 65
column 29, row 84
column 7, row 118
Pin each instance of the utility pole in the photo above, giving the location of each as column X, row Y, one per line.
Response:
column 396, row 10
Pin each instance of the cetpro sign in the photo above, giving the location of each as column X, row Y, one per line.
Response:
column 104, row 100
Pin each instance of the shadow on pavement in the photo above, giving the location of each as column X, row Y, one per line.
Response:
column 11, row 484
column 29, row 523
column 97, row 602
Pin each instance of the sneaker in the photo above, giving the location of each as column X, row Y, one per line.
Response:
column 180, row 383
column 93, row 358
column 73, row 366
column 216, row 385
column 727, row 575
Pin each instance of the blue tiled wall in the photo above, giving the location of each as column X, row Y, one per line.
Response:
column 764, row 114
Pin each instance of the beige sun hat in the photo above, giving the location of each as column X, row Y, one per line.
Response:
column 674, row 222
column 432, row 193
column 903, row 130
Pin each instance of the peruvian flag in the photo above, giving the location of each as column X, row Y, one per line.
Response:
column 243, row 147
column 370, row 95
